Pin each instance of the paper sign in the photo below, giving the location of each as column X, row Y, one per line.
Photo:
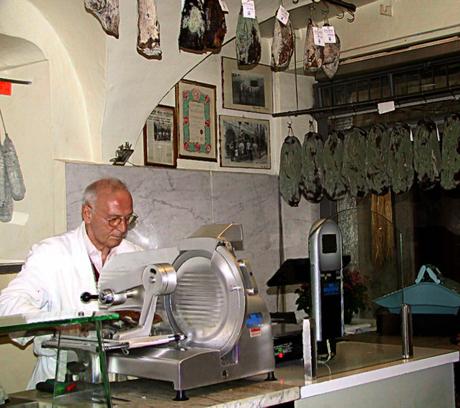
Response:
column 224, row 6
column 249, row 9
column 318, row 36
column 328, row 34
column 19, row 218
column 5, row 88
column 282, row 15
column 385, row 107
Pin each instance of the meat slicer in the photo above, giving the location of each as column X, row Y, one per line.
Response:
column 215, row 327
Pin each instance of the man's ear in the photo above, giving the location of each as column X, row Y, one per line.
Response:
column 86, row 213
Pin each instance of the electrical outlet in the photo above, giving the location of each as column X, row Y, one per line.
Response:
column 386, row 10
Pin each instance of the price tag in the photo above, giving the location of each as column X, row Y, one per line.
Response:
column 249, row 9
column 318, row 36
column 328, row 34
column 385, row 107
column 282, row 15
column 224, row 6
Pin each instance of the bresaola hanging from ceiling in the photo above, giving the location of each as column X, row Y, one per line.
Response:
column 247, row 42
column 148, row 28
column 282, row 45
column 313, row 54
column 203, row 26
column 107, row 12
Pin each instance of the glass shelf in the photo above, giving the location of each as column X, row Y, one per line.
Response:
column 36, row 323
column 50, row 320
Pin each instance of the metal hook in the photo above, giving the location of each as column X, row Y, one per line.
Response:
column 341, row 15
column 350, row 20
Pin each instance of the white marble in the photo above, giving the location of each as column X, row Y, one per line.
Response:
column 252, row 201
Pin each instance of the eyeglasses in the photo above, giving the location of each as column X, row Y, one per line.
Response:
column 116, row 220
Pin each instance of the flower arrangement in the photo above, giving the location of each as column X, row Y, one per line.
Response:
column 355, row 297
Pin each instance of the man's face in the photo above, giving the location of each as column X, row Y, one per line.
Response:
column 110, row 208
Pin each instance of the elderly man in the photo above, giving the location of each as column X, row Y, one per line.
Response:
column 59, row 269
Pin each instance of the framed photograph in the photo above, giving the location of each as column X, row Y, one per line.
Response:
column 244, row 142
column 247, row 89
column 196, row 120
column 160, row 138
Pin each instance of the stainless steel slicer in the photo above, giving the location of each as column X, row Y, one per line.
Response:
column 218, row 325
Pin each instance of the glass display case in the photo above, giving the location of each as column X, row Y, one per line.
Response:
column 66, row 390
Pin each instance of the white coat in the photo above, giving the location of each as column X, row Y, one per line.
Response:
column 56, row 272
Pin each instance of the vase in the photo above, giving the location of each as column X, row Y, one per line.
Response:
column 347, row 316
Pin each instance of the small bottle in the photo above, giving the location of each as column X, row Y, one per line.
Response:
column 406, row 331
column 309, row 349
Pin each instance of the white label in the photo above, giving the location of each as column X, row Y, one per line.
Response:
column 249, row 9
column 282, row 15
column 19, row 218
column 328, row 34
column 411, row 136
column 437, row 133
column 224, row 6
column 385, row 107
column 318, row 36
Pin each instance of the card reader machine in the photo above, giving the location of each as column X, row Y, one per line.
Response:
column 325, row 252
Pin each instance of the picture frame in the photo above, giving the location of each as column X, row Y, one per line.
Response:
column 196, row 120
column 160, row 137
column 244, row 142
column 248, row 90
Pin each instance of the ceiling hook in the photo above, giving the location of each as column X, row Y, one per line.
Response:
column 352, row 18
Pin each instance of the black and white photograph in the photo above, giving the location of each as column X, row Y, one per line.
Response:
column 160, row 145
column 244, row 142
column 246, row 89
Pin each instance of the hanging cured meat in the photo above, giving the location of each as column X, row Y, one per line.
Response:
column 215, row 26
column 6, row 198
column 107, row 12
column 282, row 45
column 427, row 154
column 354, row 156
column 3, row 177
column 378, row 142
column 6, row 208
column 13, row 171
column 313, row 54
column 290, row 168
column 193, row 26
column 331, row 57
column 312, row 167
column 148, row 29
column 400, row 159
column 247, row 41
column 333, row 180
column 450, row 171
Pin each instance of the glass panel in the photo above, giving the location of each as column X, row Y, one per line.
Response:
column 454, row 74
column 413, row 82
column 363, row 91
column 400, row 84
column 376, row 88
column 47, row 320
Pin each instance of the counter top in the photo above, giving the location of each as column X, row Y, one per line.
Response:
column 356, row 363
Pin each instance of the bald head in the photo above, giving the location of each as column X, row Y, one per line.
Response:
column 107, row 185
column 106, row 210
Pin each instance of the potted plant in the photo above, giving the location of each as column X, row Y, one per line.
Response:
column 355, row 296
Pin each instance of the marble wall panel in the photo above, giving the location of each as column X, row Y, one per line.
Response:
column 252, row 201
column 171, row 204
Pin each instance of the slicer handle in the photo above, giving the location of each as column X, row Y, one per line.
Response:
column 87, row 297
